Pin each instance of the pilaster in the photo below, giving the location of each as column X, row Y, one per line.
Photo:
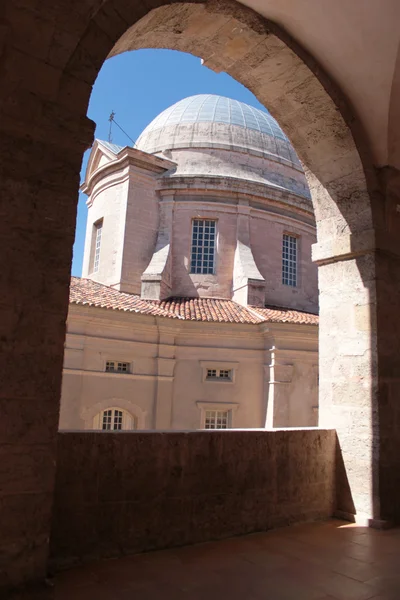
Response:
column 165, row 363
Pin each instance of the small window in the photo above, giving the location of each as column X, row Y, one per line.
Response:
column 219, row 374
column 114, row 419
column 117, row 367
column 98, row 228
column 289, row 260
column 203, row 246
column 216, row 419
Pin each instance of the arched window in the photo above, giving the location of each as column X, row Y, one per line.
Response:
column 114, row 419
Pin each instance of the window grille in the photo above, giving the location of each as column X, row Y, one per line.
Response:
column 216, row 419
column 115, row 419
column 203, row 246
column 112, row 420
column 219, row 374
column 117, row 367
column 289, row 260
column 224, row 374
column 98, row 231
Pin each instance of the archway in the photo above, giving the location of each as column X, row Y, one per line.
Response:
column 45, row 101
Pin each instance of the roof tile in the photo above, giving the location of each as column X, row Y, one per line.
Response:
column 276, row 314
column 91, row 293
column 210, row 310
column 214, row 310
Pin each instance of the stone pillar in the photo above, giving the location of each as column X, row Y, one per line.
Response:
column 39, row 181
column 359, row 278
column 165, row 376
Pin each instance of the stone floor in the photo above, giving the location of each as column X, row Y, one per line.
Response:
column 317, row 561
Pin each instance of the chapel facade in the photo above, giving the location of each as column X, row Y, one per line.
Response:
column 198, row 304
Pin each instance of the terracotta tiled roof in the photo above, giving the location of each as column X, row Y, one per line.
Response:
column 90, row 293
column 211, row 310
column 275, row 314
column 214, row 310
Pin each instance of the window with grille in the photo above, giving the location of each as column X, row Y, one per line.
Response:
column 115, row 418
column 98, row 228
column 203, row 246
column 216, row 419
column 117, row 367
column 112, row 419
column 289, row 260
column 219, row 374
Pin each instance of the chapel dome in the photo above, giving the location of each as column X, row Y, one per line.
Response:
column 211, row 121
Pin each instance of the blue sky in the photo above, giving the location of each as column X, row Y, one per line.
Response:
column 137, row 86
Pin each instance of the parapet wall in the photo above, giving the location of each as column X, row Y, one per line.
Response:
column 122, row 493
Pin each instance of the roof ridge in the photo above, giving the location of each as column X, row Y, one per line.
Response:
column 277, row 307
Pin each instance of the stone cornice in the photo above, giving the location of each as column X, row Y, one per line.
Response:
column 235, row 185
column 125, row 158
column 124, row 376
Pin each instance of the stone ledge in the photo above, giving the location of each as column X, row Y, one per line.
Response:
column 350, row 246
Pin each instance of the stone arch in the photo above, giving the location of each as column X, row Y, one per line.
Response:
column 137, row 413
column 324, row 131
column 229, row 37
column 46, row 81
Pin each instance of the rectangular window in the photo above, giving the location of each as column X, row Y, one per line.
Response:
column 203, row 246
column 216, row 419
column 219, row 374
column 98, row 228
column 289, row 260
column 117, row 367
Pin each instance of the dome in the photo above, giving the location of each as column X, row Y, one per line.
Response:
column 207, row 120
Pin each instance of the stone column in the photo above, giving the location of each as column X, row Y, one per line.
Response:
column 359, row 279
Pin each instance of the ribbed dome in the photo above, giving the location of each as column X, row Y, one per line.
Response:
column 207, row 120
column 216, row 109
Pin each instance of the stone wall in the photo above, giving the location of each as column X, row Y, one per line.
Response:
column 121, row 493
column 166, row 387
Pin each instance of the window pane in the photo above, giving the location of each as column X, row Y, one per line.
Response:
column 216, row 419
column 117, row 367
column 289, row 260
column 203, row 244
column 117, row 420
column 107, row 416
column 98, row 228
